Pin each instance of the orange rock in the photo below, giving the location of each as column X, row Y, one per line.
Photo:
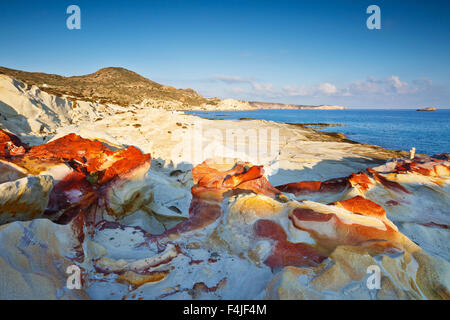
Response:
column 365, row 207
column 10, row 145
column 308, row 187
column 362, row 206
column 92, row 166
column 303, row 187
column 212, row 184
column 137, row 280
column 360, row 179
column 127, row 160
column 83, row 155
column 330, row 227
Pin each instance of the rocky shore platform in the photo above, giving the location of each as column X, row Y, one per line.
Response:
column 154, row 204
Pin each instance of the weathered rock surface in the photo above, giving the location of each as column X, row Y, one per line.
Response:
column 215, row 229
column 70, row 175
column 34, row 257
column 241, row 232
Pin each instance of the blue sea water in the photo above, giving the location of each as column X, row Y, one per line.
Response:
column 428, row 132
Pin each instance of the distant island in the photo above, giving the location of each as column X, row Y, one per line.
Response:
column 269, row 105
column 427, row 109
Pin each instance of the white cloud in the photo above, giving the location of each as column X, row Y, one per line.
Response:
column 324, row 88
column 388, row 86
column 231, row 79
column 364, row 90
column 327, row 88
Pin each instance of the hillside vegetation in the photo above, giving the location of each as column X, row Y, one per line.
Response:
column 110, row 85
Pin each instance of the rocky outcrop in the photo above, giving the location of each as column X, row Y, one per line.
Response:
column 135, row 233
column 25, row 198
column 33, row 114
column 345, row 276
column 141, row 227
column 70, row 175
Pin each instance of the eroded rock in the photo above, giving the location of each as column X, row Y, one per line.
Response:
column 241, row 238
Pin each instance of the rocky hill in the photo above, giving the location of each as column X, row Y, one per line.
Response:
column 123, row 87
column 111, row 85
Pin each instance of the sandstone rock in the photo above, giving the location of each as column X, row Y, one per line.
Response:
column 345, row 277
column 34, row 256
column 25, row 198
column 291, row 284
column 239, row 235
column 89, row 177
column 11, row 172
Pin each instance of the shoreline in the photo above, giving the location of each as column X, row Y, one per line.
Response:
column 334, row 136
column 399, row 140
column 303, row 153
column 148, row 199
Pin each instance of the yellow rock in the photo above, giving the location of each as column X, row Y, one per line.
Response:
column 433, row 276
column 353, row 260
column 291, row 284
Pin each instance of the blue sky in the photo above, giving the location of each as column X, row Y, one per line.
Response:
column 305, row 52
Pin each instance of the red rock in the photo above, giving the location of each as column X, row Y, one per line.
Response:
column 432, row 167
column 73, row 194
column 212, row 184
column 311, row 215
column 83, row 155
column 437, row 225
column 10, row 145
column 299, row 188
column 94, row 167
column 127, row 160
column 286, row 253
column 201, row 214
column 395, row 186
column 332, row 230
column 309, row 187
column 361, row 179
column 392, row 203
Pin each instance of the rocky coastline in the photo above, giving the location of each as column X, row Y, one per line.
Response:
column 154, row 204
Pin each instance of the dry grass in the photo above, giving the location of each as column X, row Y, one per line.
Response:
column 109, row 85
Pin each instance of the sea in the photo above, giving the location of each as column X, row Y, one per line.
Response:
column 428, row 132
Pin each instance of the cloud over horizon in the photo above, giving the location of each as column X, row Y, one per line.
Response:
column 392, row 90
